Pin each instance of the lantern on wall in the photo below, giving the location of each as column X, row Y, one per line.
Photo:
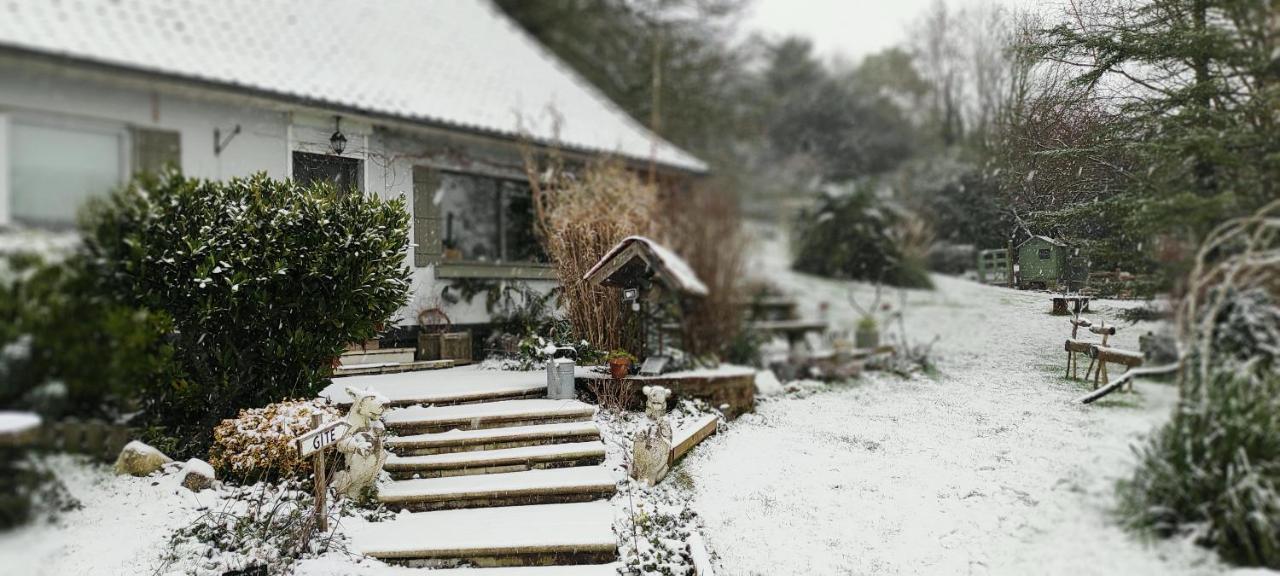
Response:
column 337, row 142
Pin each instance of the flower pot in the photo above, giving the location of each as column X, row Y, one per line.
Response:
column 619, row 368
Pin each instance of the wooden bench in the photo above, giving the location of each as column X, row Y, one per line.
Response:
column 1076, row 346
column 1104, row 355
column 793, row 330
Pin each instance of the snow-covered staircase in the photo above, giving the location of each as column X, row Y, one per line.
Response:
column 490, row 474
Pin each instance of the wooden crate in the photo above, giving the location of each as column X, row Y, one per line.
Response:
column 455, row 346
column 444, row 346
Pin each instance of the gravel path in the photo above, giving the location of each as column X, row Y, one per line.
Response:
column 987, row 468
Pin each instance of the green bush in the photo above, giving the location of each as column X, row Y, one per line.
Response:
column 852, row 236
column 66, row 349
column 266, row 281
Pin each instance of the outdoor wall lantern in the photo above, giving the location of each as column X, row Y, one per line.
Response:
column 337, row 142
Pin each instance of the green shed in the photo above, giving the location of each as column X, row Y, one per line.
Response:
column 1048, row 264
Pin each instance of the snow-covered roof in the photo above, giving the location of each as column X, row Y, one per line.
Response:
column 1045, row 238
column 457, row 63
column 680, row 272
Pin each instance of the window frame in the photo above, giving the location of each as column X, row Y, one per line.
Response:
column 475, row 268
column 359, row 163
column 1045, row 254
column 121, row 130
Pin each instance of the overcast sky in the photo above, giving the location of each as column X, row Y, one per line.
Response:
column 850, row 28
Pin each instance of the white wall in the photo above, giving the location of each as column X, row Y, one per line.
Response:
column 269, row 133
column 260, row 146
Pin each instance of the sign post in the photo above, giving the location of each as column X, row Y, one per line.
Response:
column 322, row 515
column 313, row 444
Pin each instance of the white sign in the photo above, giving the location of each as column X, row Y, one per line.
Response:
column 322, row 437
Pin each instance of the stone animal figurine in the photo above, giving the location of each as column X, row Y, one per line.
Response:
column 651, row 449
column 362, row 444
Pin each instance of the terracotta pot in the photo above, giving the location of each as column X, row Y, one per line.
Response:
column 619, row 368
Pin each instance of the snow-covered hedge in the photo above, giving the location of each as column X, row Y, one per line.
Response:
column 258, row 444
column 266, row 281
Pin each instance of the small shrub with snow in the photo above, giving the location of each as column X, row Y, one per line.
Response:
column 266, row 281
column 258, row 443
column 258, row 529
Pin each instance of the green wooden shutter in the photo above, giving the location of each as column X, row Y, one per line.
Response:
column 155, row 149
column 426, row 217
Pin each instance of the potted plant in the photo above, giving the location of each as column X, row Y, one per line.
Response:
column 868, row 333
column 620, row 362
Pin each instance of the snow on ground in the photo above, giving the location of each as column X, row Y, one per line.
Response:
column 987, row 468
column 121, row 529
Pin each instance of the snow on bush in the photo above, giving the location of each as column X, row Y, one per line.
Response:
column 258, row 443
column 259, row 529
column 266, row 282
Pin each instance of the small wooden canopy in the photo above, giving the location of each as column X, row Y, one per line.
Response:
column 637, row 260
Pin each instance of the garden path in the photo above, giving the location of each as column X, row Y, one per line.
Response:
column 985, row 468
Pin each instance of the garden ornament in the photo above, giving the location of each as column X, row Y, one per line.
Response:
column 362, row 444
column 651, row 449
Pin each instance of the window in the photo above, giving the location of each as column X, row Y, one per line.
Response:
column 344, row 173
column 154, row 150
column 54, row 168
column 486, row 219
column 1045, row 253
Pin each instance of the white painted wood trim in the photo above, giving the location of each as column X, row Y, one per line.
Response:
column 4, row 170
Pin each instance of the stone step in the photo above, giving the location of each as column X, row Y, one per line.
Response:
column 501, row 414
column 496, row 461
column 557, row 485
column 563, row 534
column 492, row 438
column 348, row 372
column 570, row 570
column 452, row 385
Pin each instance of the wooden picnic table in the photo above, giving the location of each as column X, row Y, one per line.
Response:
column 1066, row 305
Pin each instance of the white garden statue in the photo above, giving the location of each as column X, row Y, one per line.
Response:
column 362, row 444
column 651, row 449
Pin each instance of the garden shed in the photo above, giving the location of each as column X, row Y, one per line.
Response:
column 1046, row 263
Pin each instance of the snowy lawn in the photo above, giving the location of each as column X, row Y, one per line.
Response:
column 985, row 468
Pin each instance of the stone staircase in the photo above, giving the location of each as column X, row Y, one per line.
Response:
column 490, row 475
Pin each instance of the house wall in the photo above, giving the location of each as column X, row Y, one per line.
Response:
column 269, row 133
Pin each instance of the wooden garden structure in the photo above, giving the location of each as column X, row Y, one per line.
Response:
column 1046, row 263
column 655, row 282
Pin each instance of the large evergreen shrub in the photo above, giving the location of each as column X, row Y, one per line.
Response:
column 266, row 281
column 856, row 236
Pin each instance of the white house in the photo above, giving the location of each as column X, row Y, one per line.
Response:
column 432, row 97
